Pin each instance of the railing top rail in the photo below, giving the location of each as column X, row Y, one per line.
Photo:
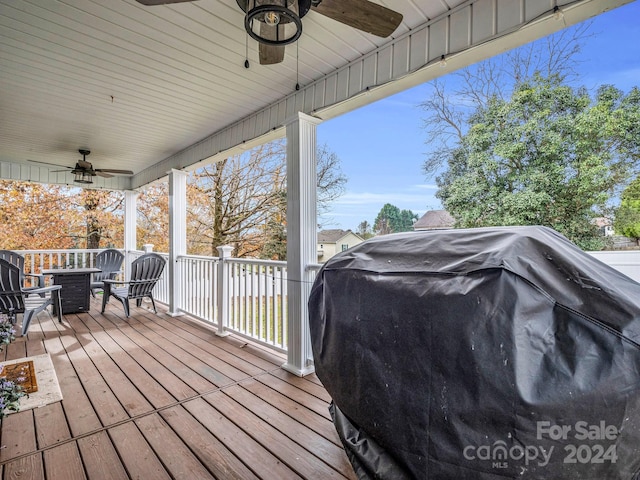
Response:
column 254, row 261
column 61, row 250
column 198, row 257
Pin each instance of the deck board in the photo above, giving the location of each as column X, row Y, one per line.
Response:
column 51, row 425
column 210, row 451
column 81, row 415
column 100, row 458
column 247, row 449
column 161, row 397
column 25, row 468
column 64, row 461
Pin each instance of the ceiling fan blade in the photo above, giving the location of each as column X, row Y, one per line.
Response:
column 150, row 3
column 111, row 170
column 102, row 174
column 51, row 165
column 271, row 54
column 361, row 14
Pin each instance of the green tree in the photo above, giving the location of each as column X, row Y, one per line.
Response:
column 549, row 155
column 455, row 98
column 391, row 219
column 275, row 231
column 627, row 220
column 365, row 230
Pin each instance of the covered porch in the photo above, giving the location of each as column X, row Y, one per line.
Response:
column 163, row 90
column 155, row 396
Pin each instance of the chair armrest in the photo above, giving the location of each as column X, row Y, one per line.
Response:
column 39, row 276
column 51, row 288
column 129, row 282
column 113, row 274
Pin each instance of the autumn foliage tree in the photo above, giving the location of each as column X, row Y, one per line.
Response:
column 153, row 217
column 233, row 199
column 239, row 201
column 30, row 217
column 101, row 212
column 37, row 216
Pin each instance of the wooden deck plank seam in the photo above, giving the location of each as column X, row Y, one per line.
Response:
column 78, row 325
column 92, row 333
column 287, row 378
column 268, row 446
column 133, row 418
column 153, row 324
column 262, row 417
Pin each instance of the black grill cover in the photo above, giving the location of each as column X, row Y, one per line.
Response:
column 480, row 354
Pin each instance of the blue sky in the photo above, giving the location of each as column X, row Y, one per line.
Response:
column 382, row 146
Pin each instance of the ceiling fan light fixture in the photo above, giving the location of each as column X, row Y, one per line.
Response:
column 272, row 18
column 83, row 177
column 273, row 13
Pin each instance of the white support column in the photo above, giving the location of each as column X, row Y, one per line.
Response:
column 224, row 253
column 177, row 236
column 301, row 237
column 130, row 217
column 130, row 226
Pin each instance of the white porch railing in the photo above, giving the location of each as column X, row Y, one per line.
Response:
column 200, row 286
column 38, row 260
column 254, row 292
column 257, row 300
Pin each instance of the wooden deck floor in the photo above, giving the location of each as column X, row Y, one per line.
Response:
column 156, row 397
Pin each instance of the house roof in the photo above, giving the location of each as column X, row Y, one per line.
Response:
column 434, row 219
column 333, row 236
column 602, row 222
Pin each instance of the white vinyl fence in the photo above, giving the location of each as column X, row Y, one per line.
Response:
column 625, row 261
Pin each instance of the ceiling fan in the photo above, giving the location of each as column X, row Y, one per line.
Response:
column 276, row 23
column 84, row 171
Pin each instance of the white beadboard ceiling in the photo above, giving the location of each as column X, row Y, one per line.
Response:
column 154, row 88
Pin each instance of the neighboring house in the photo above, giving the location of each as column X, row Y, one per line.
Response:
column 435, row 220
column 331, row 242
column 605, row 225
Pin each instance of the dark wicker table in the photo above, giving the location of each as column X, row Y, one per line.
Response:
column 76, row 288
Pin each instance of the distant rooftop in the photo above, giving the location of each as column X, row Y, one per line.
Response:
column 332, row 236
column 434, row 220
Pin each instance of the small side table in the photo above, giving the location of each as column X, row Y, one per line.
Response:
column 76, row 288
